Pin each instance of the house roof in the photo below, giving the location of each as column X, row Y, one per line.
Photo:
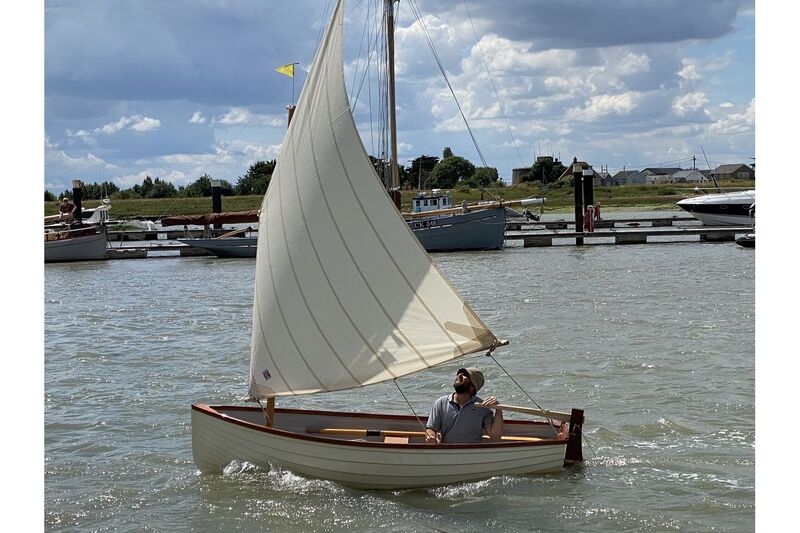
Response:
column 684, row 173
column 568, row 171
column 626, row 173
column 728, row 169
column 662, row 171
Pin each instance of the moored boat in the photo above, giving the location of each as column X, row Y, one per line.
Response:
column 82, row 244
column 721, row 209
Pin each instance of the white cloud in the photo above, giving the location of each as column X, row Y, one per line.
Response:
column 197, row 118
column 682, row 105
column 242, row 116
column 689, row 71
column 633, row 64
column 736, row 123
column 607, row 104
column 726, row 105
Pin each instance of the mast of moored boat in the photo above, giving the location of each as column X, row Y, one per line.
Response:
column 394, row 190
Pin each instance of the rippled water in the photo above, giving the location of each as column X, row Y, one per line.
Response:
column 655, row 341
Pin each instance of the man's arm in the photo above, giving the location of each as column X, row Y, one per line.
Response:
column 495, row 428
column 433, row 426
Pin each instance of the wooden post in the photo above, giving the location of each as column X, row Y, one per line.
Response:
column 216, row 199
column 574, row 453
column 270, row 412
column 577, row 174
column 77, row 197
column 588, row 188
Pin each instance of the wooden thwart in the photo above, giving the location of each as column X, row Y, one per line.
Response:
column 360, row 432
column 555, row 415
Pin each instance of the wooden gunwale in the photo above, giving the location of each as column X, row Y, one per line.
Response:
column 212, row 410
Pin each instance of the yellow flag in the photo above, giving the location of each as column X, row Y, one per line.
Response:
column 287, row 70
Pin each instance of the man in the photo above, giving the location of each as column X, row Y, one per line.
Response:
column 66, row 210
column 455, row 418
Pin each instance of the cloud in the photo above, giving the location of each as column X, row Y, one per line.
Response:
column 737, row 122
column 683, row 105
column 197, row 118
column 136, row 123
column 607, row 104
column 242, row 116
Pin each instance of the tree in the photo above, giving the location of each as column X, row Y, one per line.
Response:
column 162, row 189
column 483, row 176
column 420, row 169
column 202, row 187
column 447, row 152
column 256, row 180
column 450, row 170
column 48, row 196
column 546, row 170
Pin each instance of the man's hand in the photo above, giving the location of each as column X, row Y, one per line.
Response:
column 490, row 401
column 431, row 436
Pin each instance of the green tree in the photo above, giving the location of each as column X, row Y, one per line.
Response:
column 162, row 189
column 447, row 152
column 202, row 187
column 417, row 174
column 256, row 180
column 48, row 196
column 482, row 177
column 450, row 170
column 545, row 170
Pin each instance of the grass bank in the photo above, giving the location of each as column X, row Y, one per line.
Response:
column 633, row 198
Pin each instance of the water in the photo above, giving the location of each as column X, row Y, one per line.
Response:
column 655, row 341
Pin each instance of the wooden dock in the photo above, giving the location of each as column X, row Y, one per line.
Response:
column 161, row 243
column 629, row 236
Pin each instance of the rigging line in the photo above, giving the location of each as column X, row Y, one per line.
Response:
column 429, row 40
column 364, row 38
column 550, row 420
column 408, row 403
column 491, row 80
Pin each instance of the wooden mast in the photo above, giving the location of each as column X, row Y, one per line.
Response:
column 394, row 189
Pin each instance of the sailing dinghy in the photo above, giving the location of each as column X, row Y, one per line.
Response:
column 346, row 297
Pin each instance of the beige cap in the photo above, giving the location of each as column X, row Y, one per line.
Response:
column 475, row 376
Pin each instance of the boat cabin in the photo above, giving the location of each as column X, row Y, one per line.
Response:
column 431, row 202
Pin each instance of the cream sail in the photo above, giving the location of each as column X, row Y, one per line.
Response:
column 345, row 295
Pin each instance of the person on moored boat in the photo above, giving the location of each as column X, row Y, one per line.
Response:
column 66, row 211
column 455, row 418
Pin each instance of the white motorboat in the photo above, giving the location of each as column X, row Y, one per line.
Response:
column 721, row 209
column 346, row 297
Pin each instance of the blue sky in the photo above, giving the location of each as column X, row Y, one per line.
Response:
column 182, row 88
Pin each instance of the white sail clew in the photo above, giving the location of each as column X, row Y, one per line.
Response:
column 345, row 294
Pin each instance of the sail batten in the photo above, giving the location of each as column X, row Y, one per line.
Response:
column 345, row 294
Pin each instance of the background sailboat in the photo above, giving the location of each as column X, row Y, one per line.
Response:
column 346, row 297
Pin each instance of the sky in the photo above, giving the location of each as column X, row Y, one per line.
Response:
column 183, row 88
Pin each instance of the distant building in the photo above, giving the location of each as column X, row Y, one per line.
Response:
column 738, row 171
column 587, row 168
column 605, row 179
column 688, row 176
column 629, row 177
column 655, row 175
column 518, row 174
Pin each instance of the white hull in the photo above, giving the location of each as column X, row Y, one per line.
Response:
column 222, row 434
column 723, row 209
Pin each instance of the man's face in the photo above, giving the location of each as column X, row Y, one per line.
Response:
column 462, row 383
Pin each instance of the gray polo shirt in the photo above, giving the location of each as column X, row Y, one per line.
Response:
column 459, row 424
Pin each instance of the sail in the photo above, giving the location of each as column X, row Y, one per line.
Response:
column 345, row 295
